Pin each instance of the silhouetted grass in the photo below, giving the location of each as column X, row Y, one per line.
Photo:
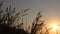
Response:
column 8, row 17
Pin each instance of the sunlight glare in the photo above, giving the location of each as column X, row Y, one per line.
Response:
column 54, row 27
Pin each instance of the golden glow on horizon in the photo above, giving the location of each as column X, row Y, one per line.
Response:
column 54, row 27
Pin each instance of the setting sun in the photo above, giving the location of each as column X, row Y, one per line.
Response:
column 54, row 27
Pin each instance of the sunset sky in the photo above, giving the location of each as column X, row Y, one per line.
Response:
column 50, row 9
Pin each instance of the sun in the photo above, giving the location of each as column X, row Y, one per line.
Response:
column 54, row 27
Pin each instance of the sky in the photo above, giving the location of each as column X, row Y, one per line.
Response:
column 50, row 9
